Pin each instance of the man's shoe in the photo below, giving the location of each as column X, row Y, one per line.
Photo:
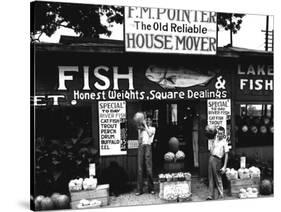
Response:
column 209, row 198
column 138, row 193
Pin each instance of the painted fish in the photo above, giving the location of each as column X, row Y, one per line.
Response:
column 173, row 77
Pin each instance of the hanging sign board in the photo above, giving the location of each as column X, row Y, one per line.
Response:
column 170, row 31
column 218, row 111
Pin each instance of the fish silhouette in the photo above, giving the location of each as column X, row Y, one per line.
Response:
column 174, row 77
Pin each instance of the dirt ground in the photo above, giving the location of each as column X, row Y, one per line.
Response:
column 198, row 188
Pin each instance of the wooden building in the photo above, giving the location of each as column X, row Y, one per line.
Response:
column 246, row 80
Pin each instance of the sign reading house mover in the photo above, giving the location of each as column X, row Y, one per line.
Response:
column 170, row 31
column 112, row 130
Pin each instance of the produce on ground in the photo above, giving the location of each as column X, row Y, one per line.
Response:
column 84, row 203
column 56, row 201
column 266, row 187
column 248, row 193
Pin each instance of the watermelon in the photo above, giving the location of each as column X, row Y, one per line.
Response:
column 47, row 204
column 63, row 202
column 54, row 198
column 180, row 155
column 210, row 131
column 138, row 118
column 169, row 156
column 266, row 187
column 174, row 144
column 37, row 202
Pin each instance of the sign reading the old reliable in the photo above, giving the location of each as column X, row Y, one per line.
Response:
column 170, row 31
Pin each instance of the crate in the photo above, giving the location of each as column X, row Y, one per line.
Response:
column 164, row 185
column 101, row 193
column 236, row 185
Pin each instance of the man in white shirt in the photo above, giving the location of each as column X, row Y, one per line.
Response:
column 218, row 148
column 146, row 135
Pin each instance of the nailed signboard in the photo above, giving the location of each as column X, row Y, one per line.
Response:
column 170, row 31
column 112, row 131
column 218, row 111
column 76, row 85
column 254, row 80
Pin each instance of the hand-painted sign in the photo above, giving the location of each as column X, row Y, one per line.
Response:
column 170, row 30
column 112, row 128
column 255, row 80
column 177, row 77
column 74, row 85
column 218, row 110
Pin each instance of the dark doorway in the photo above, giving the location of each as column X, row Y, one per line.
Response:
column 173, row 119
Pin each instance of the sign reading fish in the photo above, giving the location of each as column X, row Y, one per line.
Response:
column 81, row 84
column 177, row 77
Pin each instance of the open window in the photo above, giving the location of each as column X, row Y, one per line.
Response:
column 254, row 124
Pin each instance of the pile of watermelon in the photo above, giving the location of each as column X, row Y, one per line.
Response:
column 171, row 157
column 56, row 201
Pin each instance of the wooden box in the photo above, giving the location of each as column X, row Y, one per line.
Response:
column 101, row 193
column 164, row 185
column 236, row 185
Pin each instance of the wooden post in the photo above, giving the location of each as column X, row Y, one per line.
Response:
column 231, row 30
column 266, row 33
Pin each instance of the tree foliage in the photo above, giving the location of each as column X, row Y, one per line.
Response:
column 230, row 21
column 85, row 20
